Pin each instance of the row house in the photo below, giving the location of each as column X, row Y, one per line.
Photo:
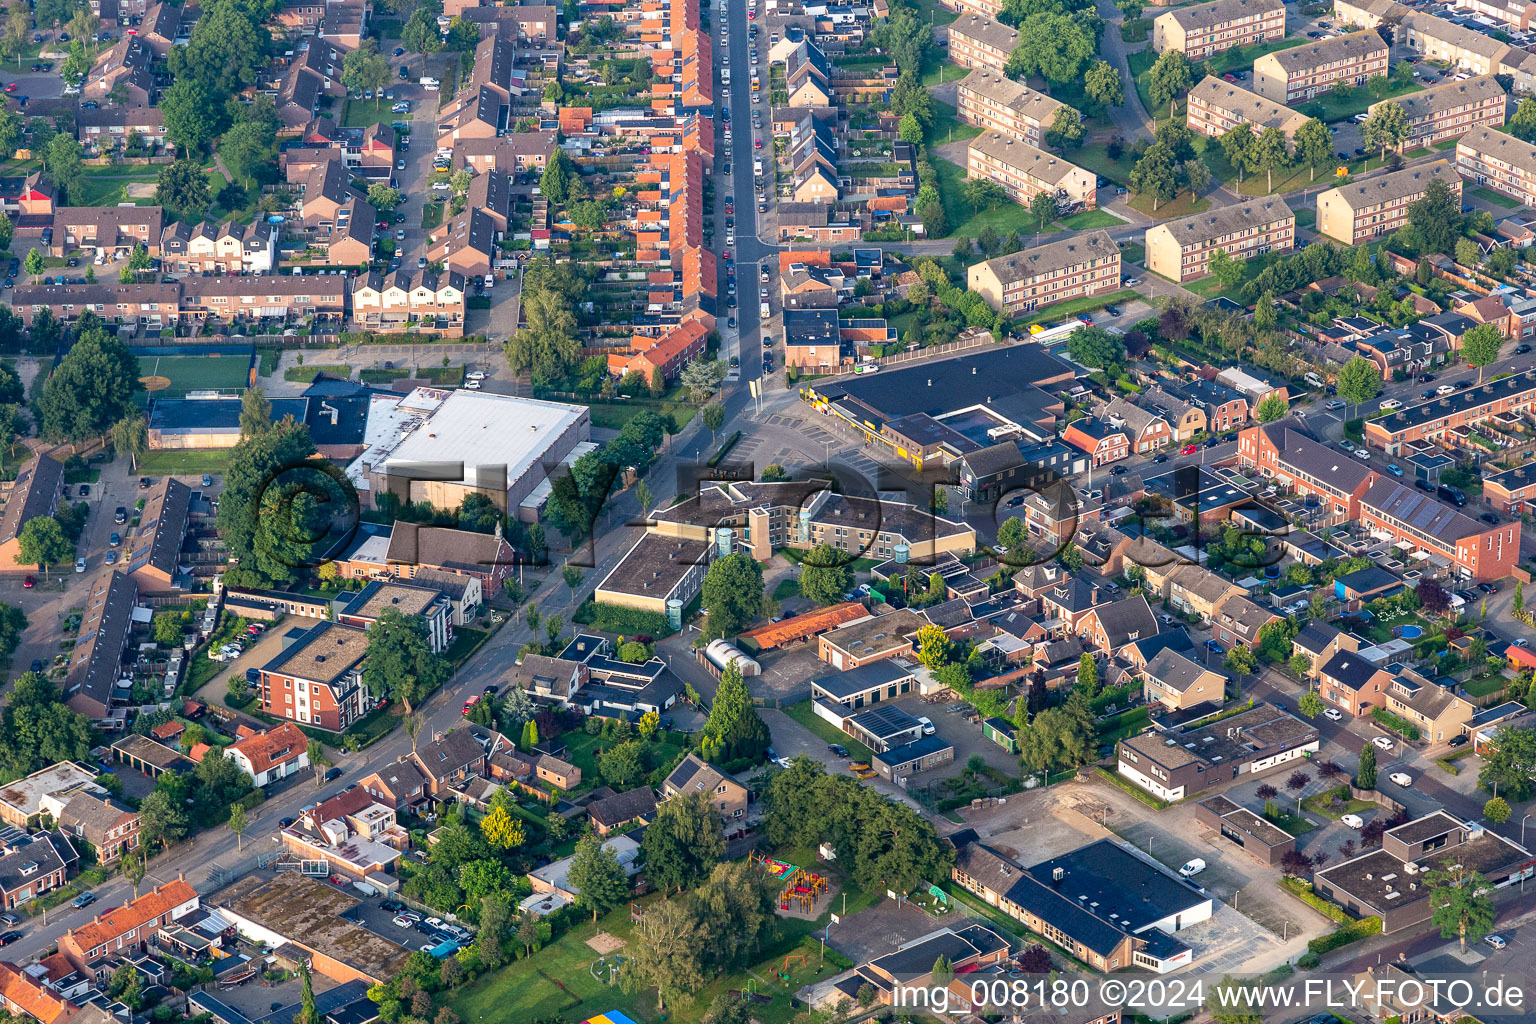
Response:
column 128, row 928
column 512, row 153
column 1515, row 14
column 1451, row 110
column 268, row 296
column 318, row 680
column 297, row 90
column 1361, row 211
column 1499, row 161
column 1199, row 592
column 1513, row 491
column 665, row 355
column 1024, row 171
column 1205, row 30
column 1085, row 265
column 1216, row 106
column 531, row 23
column 227, row 248
column 1178, row 682
column 1282, row 452
column 1436, row 711
column 1184, row 419
column 151, row 305
column 1462, row 47
column 300, row 17
column 996, row 103
column 160, row 28
column 111, row 231
column 1304, row 72
column 825, row 223
column 1407, row 516
column 345, row 22
column 1104, row 441
column 1181, row 250
column 1434, row 418
column 110, row 128
column 1352, row 683
column 409, row 300
column 479, row 110
column 985, row 8
column 126, row 67
column 980, row 43
column 1238, row 620
column 1145, row 429
column 1222, row 408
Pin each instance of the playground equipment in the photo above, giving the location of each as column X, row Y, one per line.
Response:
column 802, row 889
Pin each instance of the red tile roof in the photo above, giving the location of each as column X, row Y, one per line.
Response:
column 20, row 990
column 124, row 919
column 274, row 747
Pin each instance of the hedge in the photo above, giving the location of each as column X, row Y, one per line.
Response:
column 1302, row 890
column 617, row 618
column 724, row 449
column 1133, row 789
column 1350, row 931
column 1398, row 724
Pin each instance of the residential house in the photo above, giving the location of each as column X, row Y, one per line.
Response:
column 317, row 680
column 994, row 102
column 112, row 828
column 130, row 927
column 1353, row 684
column 1216, row 106
column 1361, row 211
column 1451, row 110
column 272, row 755
column 1024, row 172
column 727, row 796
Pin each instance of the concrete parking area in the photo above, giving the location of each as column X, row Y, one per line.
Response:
column 267, row 646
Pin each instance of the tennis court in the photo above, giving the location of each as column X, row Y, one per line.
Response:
column 174, row 376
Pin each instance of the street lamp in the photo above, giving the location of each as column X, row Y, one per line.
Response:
column 1522, row 830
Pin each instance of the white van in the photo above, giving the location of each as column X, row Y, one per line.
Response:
column 1193, row 868
column 429, row 84
column 757, row 166
column 762, row 310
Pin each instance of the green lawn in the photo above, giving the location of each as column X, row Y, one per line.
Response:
column 1484, row 685
column 305, row 374
column 184, row 463
column 1072, row 307
column 197, row 373
column 1445, row 144
column 947, row 126
column 432, row 215
column 362, row 113
column 558, row 982
column 806, row 716
column 1135, row 30
column 1182, row 205
column 107, row 189
column 1321, row 803
column 967, row 223
column 943, row 71
column 1090, row 219
column 787, row 587
column 1134, row 252
column 1291, row 823
column 1210, row 287
column 934, row 12
column 1497, row 198
column 1095, row 158
column 613, row 415
column 1306, row 217
column 1329, row 108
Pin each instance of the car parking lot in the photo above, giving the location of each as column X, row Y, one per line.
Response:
column 381, row 915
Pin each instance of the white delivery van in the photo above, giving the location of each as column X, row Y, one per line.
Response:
column 757, row 166
column 429, row 84
column 1193, row 868
column 762, row 310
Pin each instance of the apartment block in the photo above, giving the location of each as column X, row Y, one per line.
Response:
column 1024, row 171
column 1425, row 526
column 1207, row 29
column 1304, row 72
column 1088, row 264
column 985, row 8
column 1180, row 250
column 979, row 42
column 1452, row 110
column 996, row 103
column 1499, row 161
column 1363, row 210
column 1216, row 107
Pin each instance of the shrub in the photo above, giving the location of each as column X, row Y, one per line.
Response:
column 1396, row 723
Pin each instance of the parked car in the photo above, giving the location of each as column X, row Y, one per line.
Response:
column 1352, row 820
column 7, row 938
column 1401, row 778
column 928, row 729
column 1332, row 714
column 79, row 565
column 85, row 899
column 1189, row 449
column 1391, row 404
column 1384, row 742
column 1461, row 741
column 1496, row 941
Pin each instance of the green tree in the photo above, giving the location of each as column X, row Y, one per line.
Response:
column 621, row 763
column 183, row 188
column 1238, row 144
column 62, row 159
column 1436, row 218
column 734, row 730
column 161, row 821
column 666, row 954
column 1386, row 128
column 1042, row 205
column 1088, row 675
column 1241, row 660
column 249, row 151
column 1156, row 174
column 732, row 593
column 600, row 883
column 1170, row 76
column 1103, row 84
column 364, row 69
column 421, row 36
column 1480, row 346
column 1196, row 176
column 130, row 437
column 1095, row 347
column 1310, row 704
column 192, row 121
column 501, row 830
column 1359, row 381
column 1508, row 770
column 1270, row 153
column 383, row 196
column 909, row 129
column 1272, row 407
column 307, row 1014
column 1460, row 905
column 683, row 843
column 1314, row 146
column 1522, row 124
column 42, row 542
column 1012, row 535
column 1497, row 810
column 825, row 575
column 1052, row 45
column 1226, row 269
column 34, row 265
column 1066, row 131
column 1365, row 774
column 401, row 662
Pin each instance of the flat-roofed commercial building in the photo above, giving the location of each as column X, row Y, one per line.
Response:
column 979, row 42
column 1363, row 210
column 1207, row 29
column 1512, row 396
column 991, row 101
column 1451, row 110
column 1216, row 107
column 1088, row 264
column 1500, row 161
column 1303, row 72
column 1024, row 171
column 1180, row 250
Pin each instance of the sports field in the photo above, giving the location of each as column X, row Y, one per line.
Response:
column 193, row 373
